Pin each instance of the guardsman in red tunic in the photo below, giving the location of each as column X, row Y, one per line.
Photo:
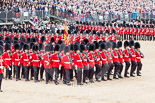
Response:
column 85, row 63
column 25, row 57
column 66, row 62
column 2, row 64
column 110, row 60
column 139, row 55
column 126, row 58
column 132, row 58
column 98, row 65
column 56, row 62
column 16, row 61
column 120, row 53
column 35, row 59
column 78, row 62
column 116, row 61
column 91, row 62
column 105, row 58
column 46, row 63
column 7, row 59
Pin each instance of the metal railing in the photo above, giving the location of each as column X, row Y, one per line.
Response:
column 6, row 16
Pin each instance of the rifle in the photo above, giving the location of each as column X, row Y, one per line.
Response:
column 60, row 56
column 94, row 56
column 139, row 52
column 70, row 59
column 129, row 52
column 106, row 54
column 99, row 55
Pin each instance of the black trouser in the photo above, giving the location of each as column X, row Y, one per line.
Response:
column 14, row 71
column 85, row 73
column 51, row 74
column 56, row 70
column 26, row 69
column 17, row 69
column 23, row 71
column 47, row 73
column 91, row 73
column 117, row 68
column 121, row 68
column 32, row 71
column 1, row 77
column 8, row 73
column 133, row 67
column 66, row 75
column 71, row 72
column 111, row 65
column 98, row 71
column 105, row 68
column 36, row 71
column 61, row 72
column 41, row 72
column 127, row 65
column 79, row 75
column 139, row 67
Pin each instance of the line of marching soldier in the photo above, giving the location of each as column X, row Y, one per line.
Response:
column 85, row 60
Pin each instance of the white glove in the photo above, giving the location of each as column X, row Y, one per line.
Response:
column 19, row 64
column 94, row 67
column 28, row 64
column 40, row 65
column 75, row 67
column 9, row 68
column 59, row 67
column 12, row 63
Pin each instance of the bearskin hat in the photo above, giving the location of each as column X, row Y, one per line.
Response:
column 41, row 46
column 91, row 47
column 1, row 50
column 82, row 47
column 62, row 32
column 66, row 49
column 126, row 43
column 51, row 47
column 58, row 31
column 119, row 44
column 15, row 39
column 52, row 40
column 16, row 46
column 109, row 45
column 31, row 45
column 35, row 48
column 7, row 47
column 107, row 31
column 85, row 41
column 28, row 40
column 43, row 39
column 21, row 45
column 56, row 47
column 72, row 47
column 7, row 39
column 1, row 42
column 103, row 46
column 137, row 45
column 47, row 48
column 62, row 46
column 113, row 31
column 15, row 42
column 33, row 40
column 114, row 45
column 94, row 31
column 60, row 42
column 76, row 47
column 26, row 47
column 131, row 43
column 96, row 45
column 22, row 39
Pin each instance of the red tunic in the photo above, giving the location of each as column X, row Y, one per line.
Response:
column 104, row 58
column 92, row 60
column 78, row 61
column 46, row 61
column 2, row 63
column 133, row 56
column 55, row 60
column 121, row 56
column 7, row 59
column 115, row 58
column 25, row 59
column 65, row 62
column 16, row 59
column 35, row 60
column 126, row 57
